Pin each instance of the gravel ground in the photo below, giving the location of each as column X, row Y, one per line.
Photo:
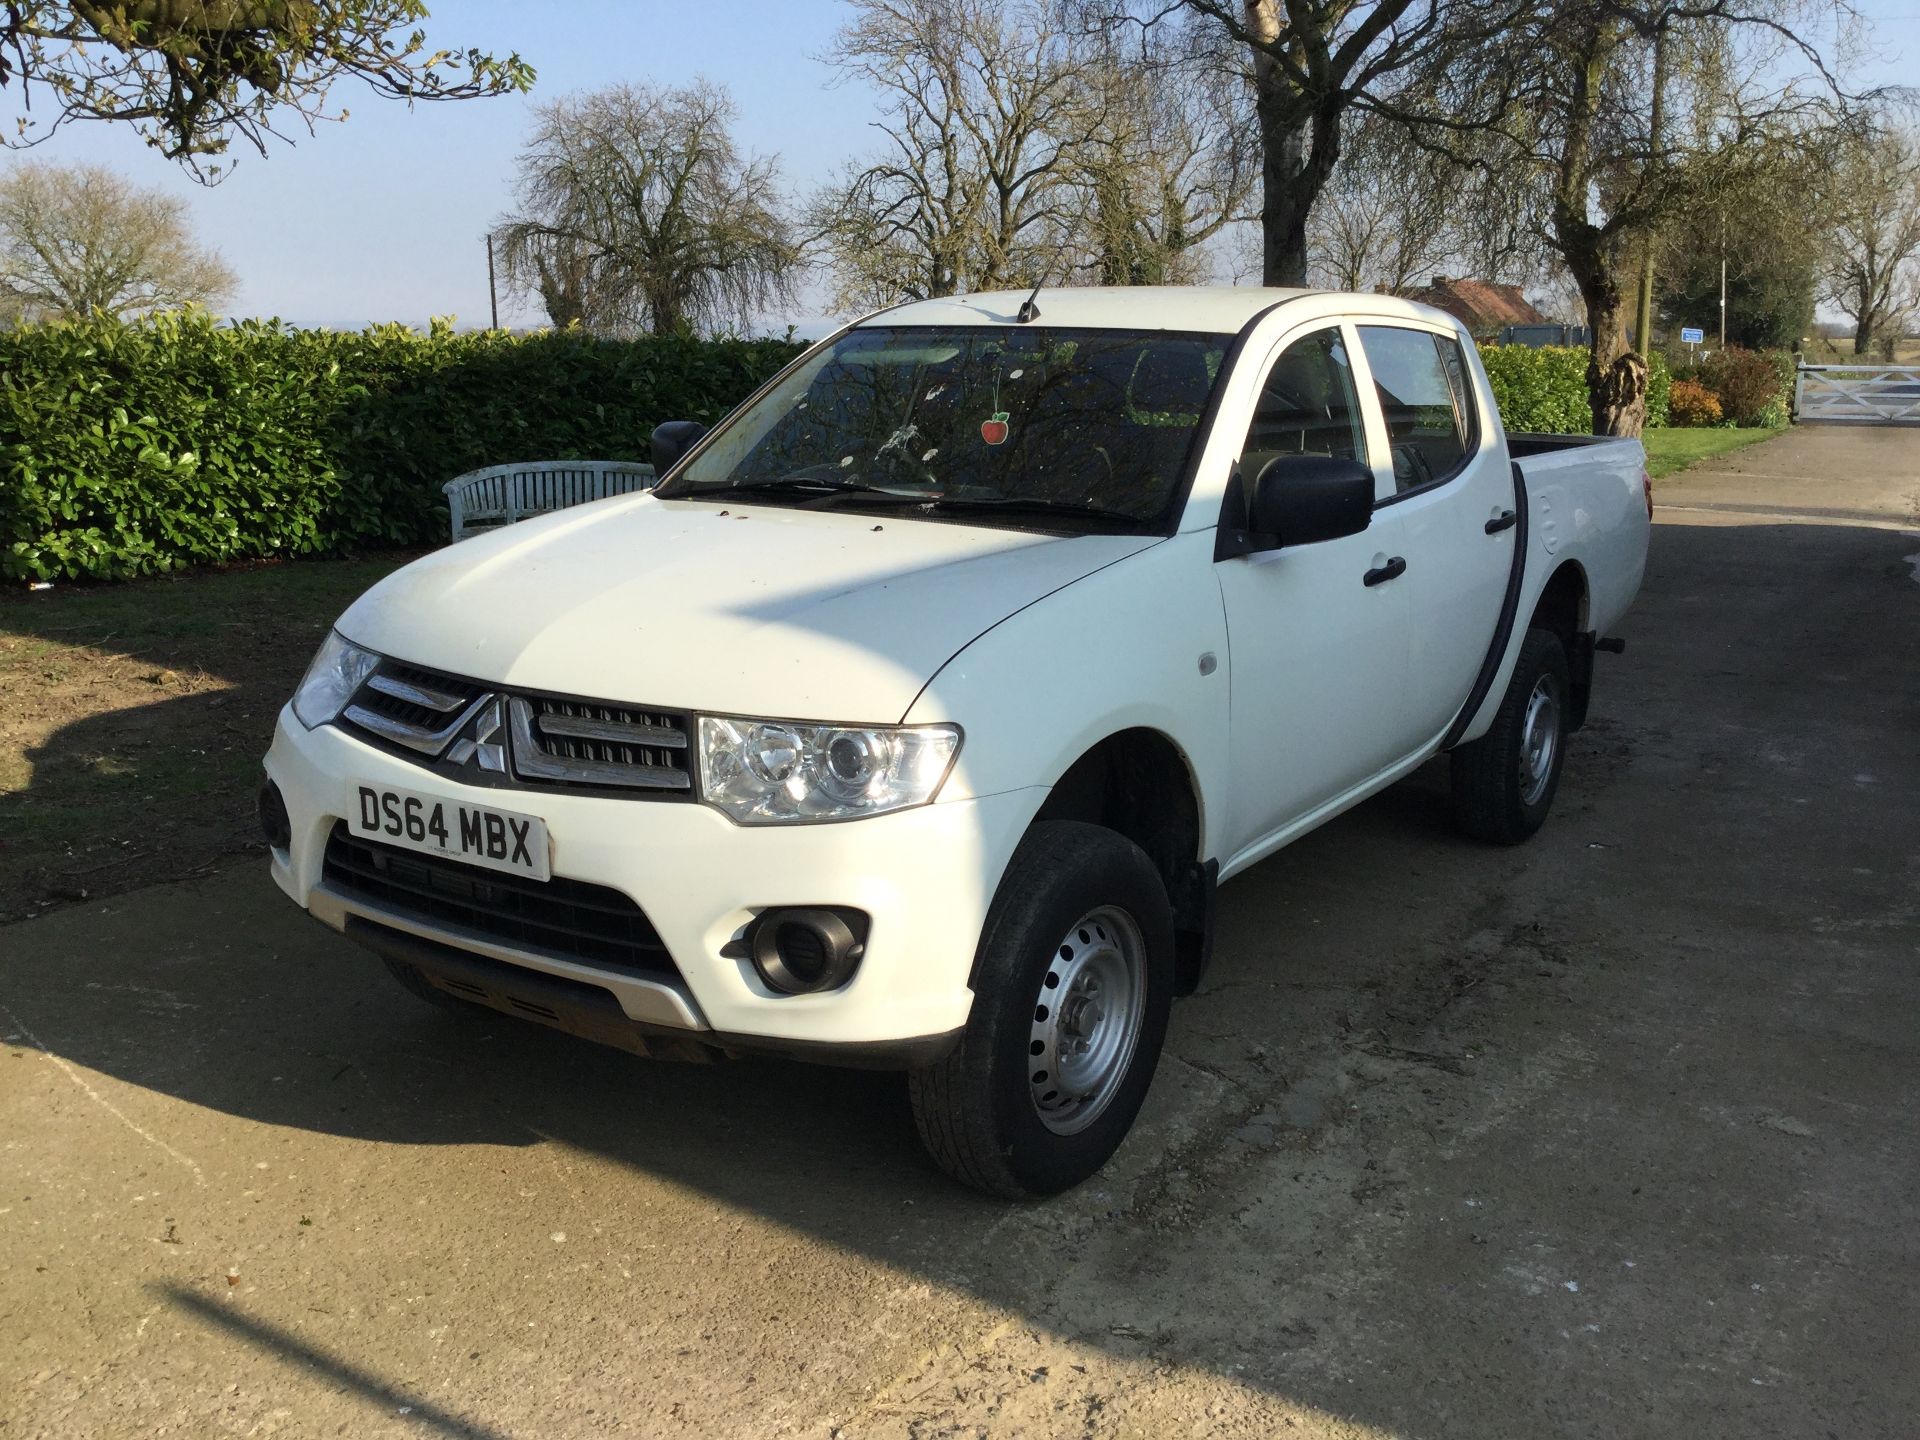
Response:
column 1609, row 1135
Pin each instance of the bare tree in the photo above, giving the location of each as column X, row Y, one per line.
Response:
column 1171, row 165
column 988, row 134
column 1738, row 91
column 83, row 241
column 1313, row 63
column 1387, row 218
column 193, row 74
column 637, row 212
column 1871, row 266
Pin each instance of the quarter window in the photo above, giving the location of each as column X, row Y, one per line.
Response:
column 1421, row 379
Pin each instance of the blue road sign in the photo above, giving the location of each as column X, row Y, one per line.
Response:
column 1691, row 336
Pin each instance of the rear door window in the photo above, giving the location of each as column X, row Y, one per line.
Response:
column 1421, row 379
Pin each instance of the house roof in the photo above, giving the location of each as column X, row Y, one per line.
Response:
column 1480, row 305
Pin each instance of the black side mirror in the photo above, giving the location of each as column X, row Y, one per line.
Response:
column 1301, row 499
column 673, row 439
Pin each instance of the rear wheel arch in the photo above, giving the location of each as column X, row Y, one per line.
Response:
column 1562, row 608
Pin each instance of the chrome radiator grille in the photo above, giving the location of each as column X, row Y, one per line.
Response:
column 472, row 732
column 599, row 744
column 415, row 708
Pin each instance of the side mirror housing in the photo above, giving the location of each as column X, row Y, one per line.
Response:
column 1302, row 499
column 672, row 440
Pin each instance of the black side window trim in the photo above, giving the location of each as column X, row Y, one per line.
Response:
column 1470, row 433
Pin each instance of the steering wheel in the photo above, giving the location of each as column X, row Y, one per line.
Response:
column 1088, row 468
column 1410, row 468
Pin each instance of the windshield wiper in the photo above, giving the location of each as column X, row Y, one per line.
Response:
column 803, row 484
column 1034, row 505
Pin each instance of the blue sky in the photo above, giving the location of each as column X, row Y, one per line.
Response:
column 382, row 217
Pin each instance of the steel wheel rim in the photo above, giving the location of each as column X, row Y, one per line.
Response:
column 1086, row 1020
column 1539, row 740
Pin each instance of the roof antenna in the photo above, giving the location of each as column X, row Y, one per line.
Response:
column 1028, row 310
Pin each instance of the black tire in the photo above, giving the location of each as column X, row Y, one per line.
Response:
column 976, row 1110
column 1490, row 800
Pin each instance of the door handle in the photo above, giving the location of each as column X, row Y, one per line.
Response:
column 1505, row 520
column 1380, row 574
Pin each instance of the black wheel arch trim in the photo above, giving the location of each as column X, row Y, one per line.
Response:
column 1509, row 612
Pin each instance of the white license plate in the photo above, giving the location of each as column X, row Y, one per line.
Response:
column 476, row 834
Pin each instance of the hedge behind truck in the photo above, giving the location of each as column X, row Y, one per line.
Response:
column 134, row 449
column 1542, row 389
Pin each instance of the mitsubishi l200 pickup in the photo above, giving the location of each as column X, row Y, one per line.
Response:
column 914, row 718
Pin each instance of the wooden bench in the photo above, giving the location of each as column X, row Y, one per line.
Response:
column 501, row 494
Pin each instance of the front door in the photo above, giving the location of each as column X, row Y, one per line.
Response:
column 1319, row 657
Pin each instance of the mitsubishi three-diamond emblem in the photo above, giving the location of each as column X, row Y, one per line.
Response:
column 481, row 744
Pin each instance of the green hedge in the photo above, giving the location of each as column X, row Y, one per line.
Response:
column 1543, row 389
column 134, row 449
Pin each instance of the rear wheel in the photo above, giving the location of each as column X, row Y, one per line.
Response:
column 1504, row 782
column 1072, row 989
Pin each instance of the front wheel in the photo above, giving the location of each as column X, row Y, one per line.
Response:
column 1072, row 989
column 1503, row 783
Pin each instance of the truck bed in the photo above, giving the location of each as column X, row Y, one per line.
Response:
column 1524, row 445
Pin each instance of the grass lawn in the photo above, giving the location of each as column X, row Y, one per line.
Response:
column 133, row 719
column 1670, row 450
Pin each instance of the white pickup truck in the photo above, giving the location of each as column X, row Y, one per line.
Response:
column 913, row 720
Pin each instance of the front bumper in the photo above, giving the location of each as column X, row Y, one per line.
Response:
column 925, row 877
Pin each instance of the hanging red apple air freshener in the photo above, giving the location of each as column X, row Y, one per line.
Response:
column 994, row 431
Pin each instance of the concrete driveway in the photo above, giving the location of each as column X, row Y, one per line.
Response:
column 1614, row 1134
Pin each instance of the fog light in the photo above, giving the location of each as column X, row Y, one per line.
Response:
column 802, row 952
column 275, row 824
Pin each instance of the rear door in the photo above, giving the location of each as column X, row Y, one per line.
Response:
column 1448, row 508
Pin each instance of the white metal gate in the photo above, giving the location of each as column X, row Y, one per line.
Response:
column 1867, row 394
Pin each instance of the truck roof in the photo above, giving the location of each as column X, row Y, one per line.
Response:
column 1213, row 309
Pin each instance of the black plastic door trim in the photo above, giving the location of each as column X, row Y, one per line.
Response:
column 1503, row 631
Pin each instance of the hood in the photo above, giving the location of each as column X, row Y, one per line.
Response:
column 734, row 608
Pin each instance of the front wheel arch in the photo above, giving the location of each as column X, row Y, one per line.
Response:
column 1141, row 785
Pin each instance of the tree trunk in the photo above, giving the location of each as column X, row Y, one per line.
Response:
column 1616, row 376
column 664, row 310
column 1283, row 219
column 1299, row 145
column 1643, row 317
column 1862, row 335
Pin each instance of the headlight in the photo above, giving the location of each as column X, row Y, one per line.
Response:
column 336, row 672
column 762, row 772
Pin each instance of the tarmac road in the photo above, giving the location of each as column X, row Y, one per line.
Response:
column 1613, row 1134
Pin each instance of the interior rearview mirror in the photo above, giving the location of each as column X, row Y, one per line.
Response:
column 673, row 439
column 1301, row 499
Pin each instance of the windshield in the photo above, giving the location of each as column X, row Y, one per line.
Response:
column 974, row 420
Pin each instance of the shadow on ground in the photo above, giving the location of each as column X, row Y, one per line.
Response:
column 1397, row 1025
